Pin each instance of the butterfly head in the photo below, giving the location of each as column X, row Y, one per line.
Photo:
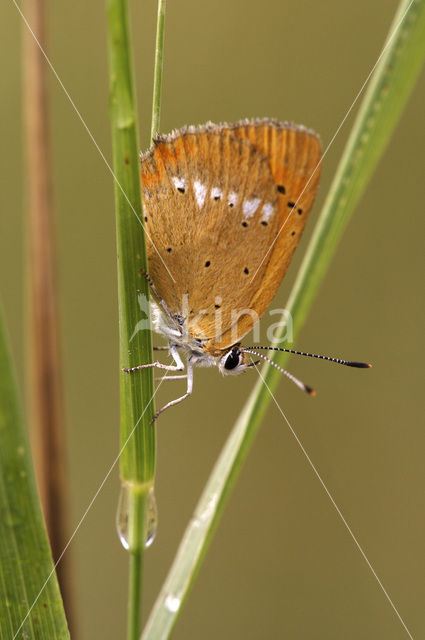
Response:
column 234, row 361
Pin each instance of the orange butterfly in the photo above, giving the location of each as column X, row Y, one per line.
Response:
column 225, row 206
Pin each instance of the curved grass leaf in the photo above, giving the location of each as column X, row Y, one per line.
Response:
column 30, row 601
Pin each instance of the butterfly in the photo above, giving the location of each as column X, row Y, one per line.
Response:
column 224, row 210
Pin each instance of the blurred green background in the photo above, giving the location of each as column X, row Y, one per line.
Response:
column 282, row 563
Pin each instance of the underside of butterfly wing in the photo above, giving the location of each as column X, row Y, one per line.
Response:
column 224, row 210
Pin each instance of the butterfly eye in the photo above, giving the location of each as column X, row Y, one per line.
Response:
column 232, row 360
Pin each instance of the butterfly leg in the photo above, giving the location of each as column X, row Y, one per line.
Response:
column 179, row 366
column 164, row 348
column 189, row 388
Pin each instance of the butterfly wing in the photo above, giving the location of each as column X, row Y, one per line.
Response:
column 215, row 200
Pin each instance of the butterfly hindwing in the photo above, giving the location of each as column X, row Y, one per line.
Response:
column 294, row 157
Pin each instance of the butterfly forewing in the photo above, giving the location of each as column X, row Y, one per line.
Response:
column 204, row 195
column 220, row 219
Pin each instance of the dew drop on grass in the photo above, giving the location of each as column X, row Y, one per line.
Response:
column 123, row 514
column 172, row 603
column 122, row 517
column 151, row 519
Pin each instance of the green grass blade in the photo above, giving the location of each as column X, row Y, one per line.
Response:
column 27, row 576
column 381, row 107
column 137, row 461
column 157, row 80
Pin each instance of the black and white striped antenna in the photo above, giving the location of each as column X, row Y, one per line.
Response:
column 301, row 385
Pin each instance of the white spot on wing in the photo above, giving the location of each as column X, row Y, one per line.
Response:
column 267, row 211
column 233, row 199
column 249, row 207
column 216, row 192
column 200, row 192
column 179, row 183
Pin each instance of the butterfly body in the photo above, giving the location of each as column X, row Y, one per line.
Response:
column 177, row 335
column 191, row 347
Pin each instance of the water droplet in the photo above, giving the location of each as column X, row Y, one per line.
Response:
column 123, row 515
column 172, row 603
column 151, row 519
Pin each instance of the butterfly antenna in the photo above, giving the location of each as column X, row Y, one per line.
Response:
column 348, row 363
column 295, row 380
